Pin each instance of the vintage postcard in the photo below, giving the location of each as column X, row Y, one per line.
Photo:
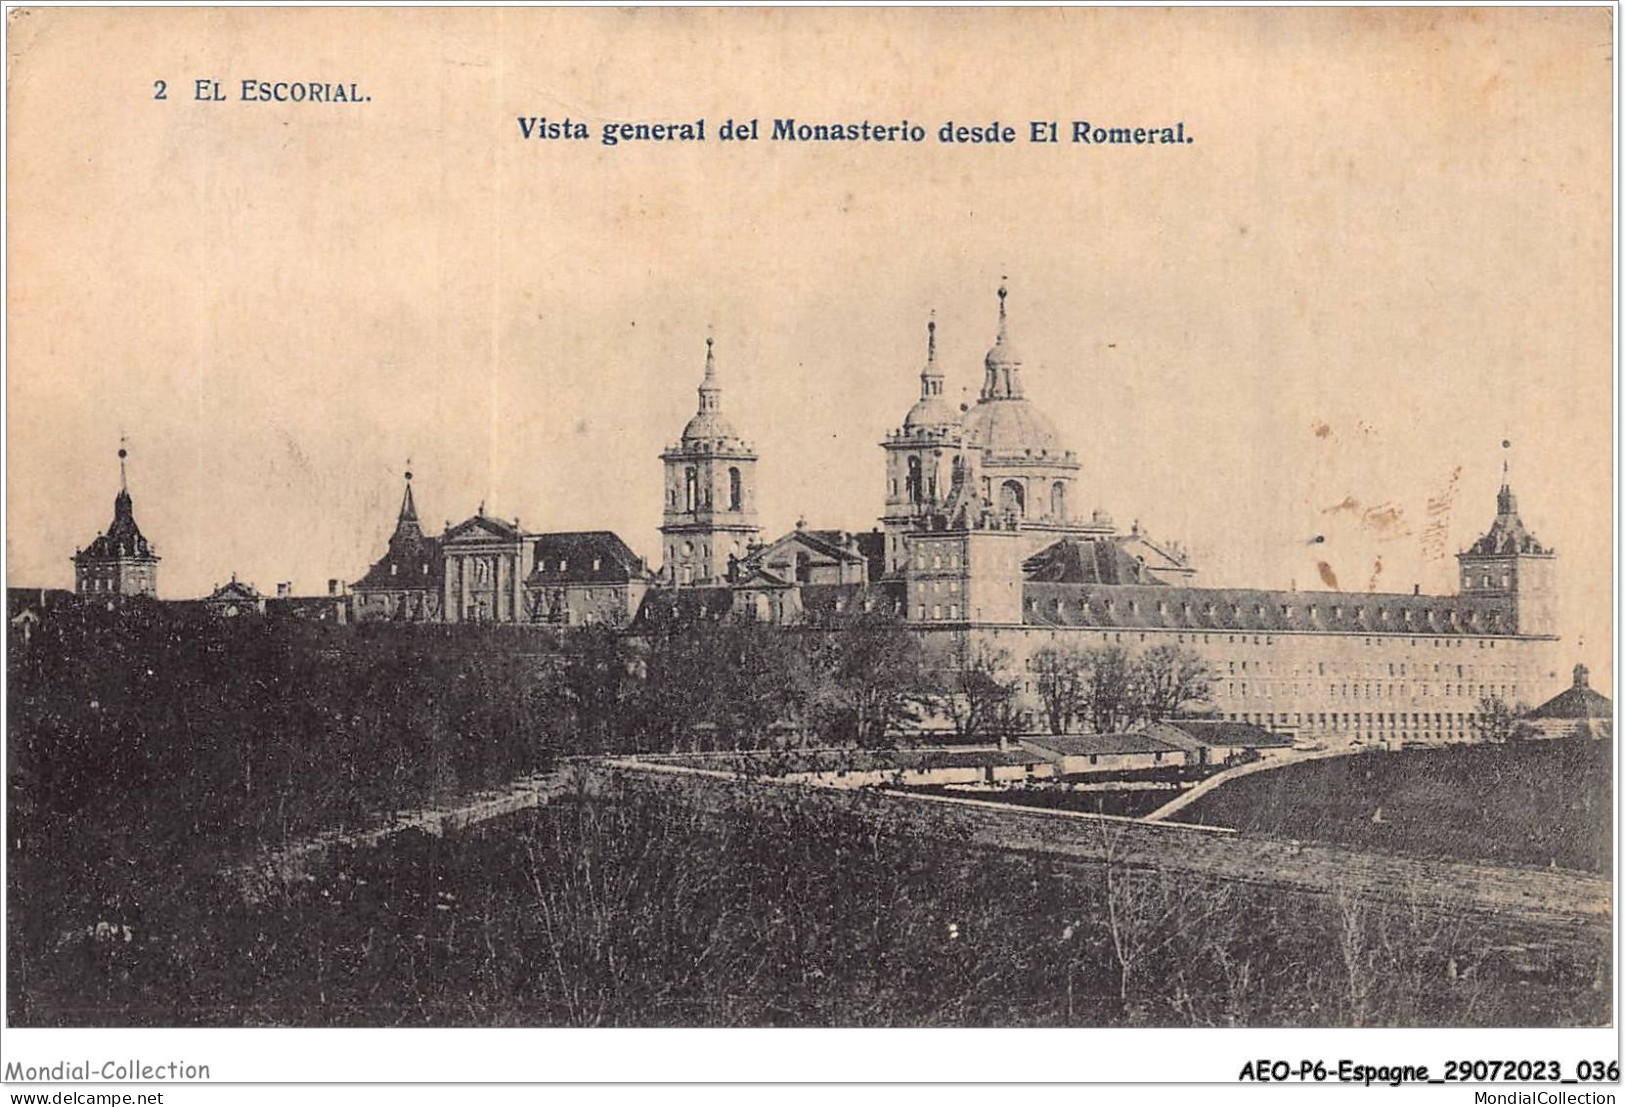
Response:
column 1092, row 519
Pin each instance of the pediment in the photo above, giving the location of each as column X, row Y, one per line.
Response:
column 481, row 528
column 816, row 551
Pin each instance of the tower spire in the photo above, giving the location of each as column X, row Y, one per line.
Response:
column 1003, row 380
column 930, row 376
column 710, row 389
column 123, row 452
column 1505, row 502
column 406, row 524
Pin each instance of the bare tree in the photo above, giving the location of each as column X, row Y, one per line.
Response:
column 978, row 692
column 1495, row 720
column 1060, row 677
column 1113, row 690
column 858, row 675
column 1169, row 678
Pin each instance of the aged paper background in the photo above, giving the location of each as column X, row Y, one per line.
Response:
column 1387, row 251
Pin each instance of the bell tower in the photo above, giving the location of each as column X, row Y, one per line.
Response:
column 922, row 457
column 709, row 520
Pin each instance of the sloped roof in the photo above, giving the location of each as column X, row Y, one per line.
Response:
column 870, row 545
column 417, row 566
column 819, row 601
column 676, row 607
column 317, row 608
column 755, row 576
column 587, row 557
column 123, row 538
column 1254, row 610
column 830, row 542
column 846, row 547
column 38, row 599
column 482, row 526
column 235, row 589
column 1219, row 733
column 1083, row 745
column 1578, row 701
column 1507, row 535
column 1575, row 703
column 1088, row 561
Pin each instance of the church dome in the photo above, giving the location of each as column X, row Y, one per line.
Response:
column 708, row 425
column 1003, row 422
column 1012, row 427
column 931, row 411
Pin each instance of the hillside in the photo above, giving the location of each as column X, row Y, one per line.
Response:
column 1528, row 803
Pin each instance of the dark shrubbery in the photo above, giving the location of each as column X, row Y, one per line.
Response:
column 642, row 910
column 150, row 747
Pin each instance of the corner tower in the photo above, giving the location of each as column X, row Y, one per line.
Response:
column 1508, row 562
column 120, row 562
column 710, row 509
column 407, row 582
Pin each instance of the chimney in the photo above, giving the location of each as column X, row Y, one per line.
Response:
column 333, row 587
column 1416, row 589
column 284, row 589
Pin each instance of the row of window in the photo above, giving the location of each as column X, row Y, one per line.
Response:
column 101, row 584
column 937, row 559
column 1088, row 606
column 1399, row 668
column 1357, row 690
column 1458, row 722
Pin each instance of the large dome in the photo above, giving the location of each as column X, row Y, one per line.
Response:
column 1012, row 427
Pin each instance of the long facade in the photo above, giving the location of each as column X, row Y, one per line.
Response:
column 983, row 542
column 1016, row 573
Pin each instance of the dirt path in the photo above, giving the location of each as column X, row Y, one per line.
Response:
column 257, row 877
column 1559, row 904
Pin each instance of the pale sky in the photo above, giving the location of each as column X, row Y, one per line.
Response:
column 1387, row 250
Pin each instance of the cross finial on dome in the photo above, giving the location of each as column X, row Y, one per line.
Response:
column 931, row 338
column 1003, row 380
